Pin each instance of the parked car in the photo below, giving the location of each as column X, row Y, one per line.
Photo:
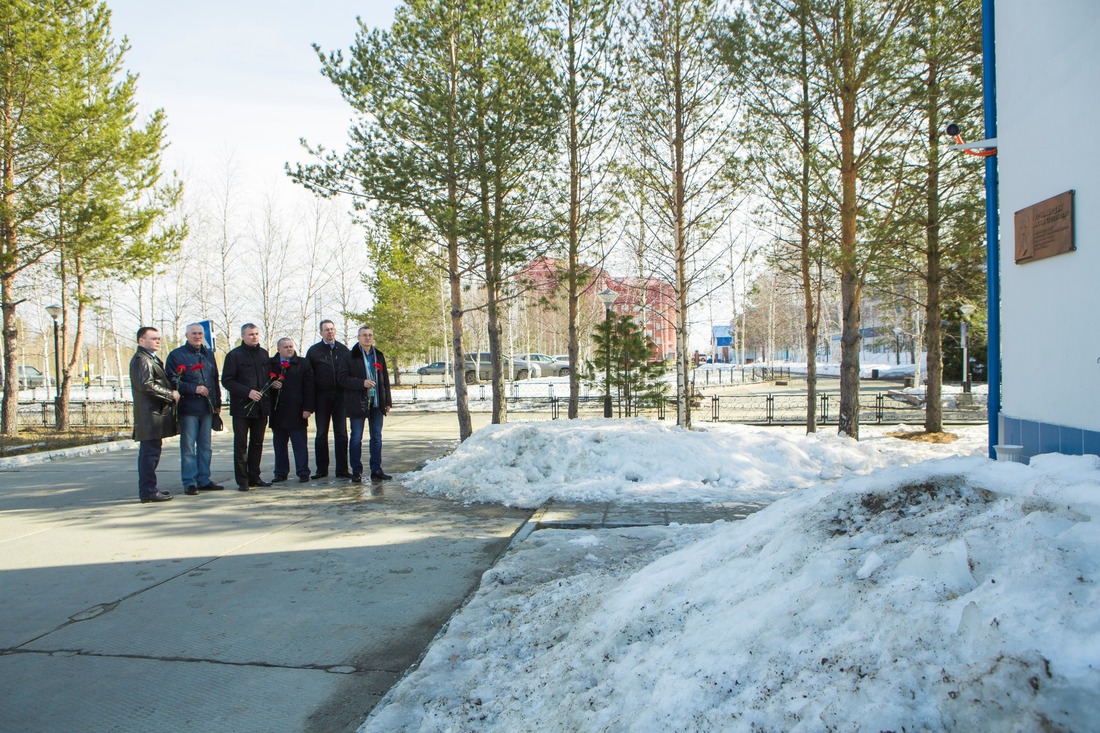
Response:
column 479, row 366
column 436, row 367
column 30, row 377
column 550, row 366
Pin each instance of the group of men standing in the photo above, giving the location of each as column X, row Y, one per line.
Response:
column 334, row 384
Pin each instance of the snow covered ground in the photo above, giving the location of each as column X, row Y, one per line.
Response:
column 889, row 586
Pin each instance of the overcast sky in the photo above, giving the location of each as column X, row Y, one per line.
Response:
column 239, row 77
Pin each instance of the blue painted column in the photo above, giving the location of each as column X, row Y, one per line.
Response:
column 992, row 227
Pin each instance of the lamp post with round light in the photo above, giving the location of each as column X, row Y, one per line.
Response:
column 55, row 313
column 964, row 331
column 607, row 296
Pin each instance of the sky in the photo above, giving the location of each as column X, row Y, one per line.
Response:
column 887, row 585
column 239, row 80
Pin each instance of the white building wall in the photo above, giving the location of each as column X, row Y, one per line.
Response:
column 1048, row 96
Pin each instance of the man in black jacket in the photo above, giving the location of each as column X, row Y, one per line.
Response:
column 248, row 379
column 324, row 358
column 154, row 401
column 293, row 404
column 366, row 383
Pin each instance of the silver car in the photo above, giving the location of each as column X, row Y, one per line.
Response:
column 479, row 367
column 548, row 365
column 436, row 367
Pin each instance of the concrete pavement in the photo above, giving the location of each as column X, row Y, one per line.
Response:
column 292, row 608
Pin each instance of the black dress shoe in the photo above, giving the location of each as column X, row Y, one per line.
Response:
column 212, row 487
column 242, row 487
column 344, row 475
column 190, row 491
column 277, row 480
column 356, row 478
column 322, row 475
column 159, row 496
column 380, row 476
column 259, row 483
column 303, row 479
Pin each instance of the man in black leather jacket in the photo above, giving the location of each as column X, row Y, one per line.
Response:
column 324, row 358
column 154, row 417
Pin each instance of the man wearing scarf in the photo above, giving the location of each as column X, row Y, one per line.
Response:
column 366, row 383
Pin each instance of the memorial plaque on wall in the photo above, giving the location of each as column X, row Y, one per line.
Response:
column 1045, row 229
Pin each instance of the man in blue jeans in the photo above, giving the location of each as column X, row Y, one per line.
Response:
column 366, row 383
column 194, row 373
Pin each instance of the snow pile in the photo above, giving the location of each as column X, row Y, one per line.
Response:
column 957, row 594
column 639, row 460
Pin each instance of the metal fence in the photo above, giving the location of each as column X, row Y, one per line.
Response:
column 87, row 414
column 783, row 408
column 874, row 407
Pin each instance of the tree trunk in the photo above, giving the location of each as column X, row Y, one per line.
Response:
column 850, row 338
column 11, row 335
column 933, row 405
column 811, row 312
column 454, row 278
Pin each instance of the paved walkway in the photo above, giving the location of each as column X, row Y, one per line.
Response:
column 293, row 608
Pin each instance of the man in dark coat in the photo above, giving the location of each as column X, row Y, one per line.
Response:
column 194, row 373
column 154, row 419
column 292, row 405
column 247, row 377
column 366, row 383
column 325, row 357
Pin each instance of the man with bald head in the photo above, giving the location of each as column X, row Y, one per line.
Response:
column 194, row 373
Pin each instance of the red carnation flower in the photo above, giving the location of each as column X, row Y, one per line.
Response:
column 181, row 369
column 284, row 364
column 197, row 367
column 377, row 365
column 272, row 375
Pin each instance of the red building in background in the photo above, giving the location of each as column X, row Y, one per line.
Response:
column 651, row 302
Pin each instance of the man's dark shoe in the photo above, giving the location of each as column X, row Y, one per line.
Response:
column 259, row 483
column 321, row 475
column 278, row 479
column 190, row 491
column 303, row 479
column 212, row 487
column 242, row 487
column 344, row 475
column 380, row 476
column 356, row 478
column 159, row 496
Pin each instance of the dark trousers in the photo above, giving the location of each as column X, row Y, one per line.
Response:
column 297, row 439
column 148, row 460
column 248, row 448
column 330, row 408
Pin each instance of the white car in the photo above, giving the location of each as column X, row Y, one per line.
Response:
column 549, row 365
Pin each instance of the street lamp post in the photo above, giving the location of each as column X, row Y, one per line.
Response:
column 897, row 345
column 607, row 296
column 55, row 313
column 964, row 331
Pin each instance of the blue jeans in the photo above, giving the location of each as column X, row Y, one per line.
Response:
column 297, row 439
column 148, row 459
column 195, row 449
column 355, row 441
